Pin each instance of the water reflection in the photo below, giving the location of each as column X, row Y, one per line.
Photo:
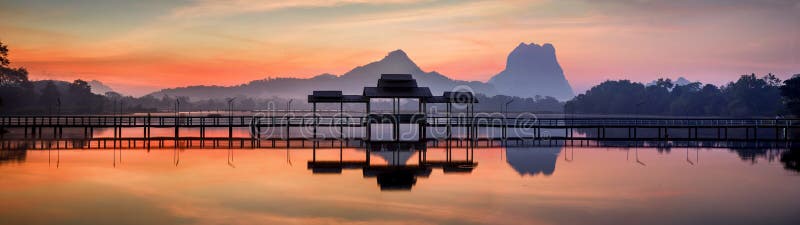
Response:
column 532, row 161
column 16, row 155
column 791, row 160
column 550, row 185
column 398, row 173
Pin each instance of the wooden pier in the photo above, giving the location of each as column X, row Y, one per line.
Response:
column 489, row 131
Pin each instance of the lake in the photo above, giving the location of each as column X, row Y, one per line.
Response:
column 517, row 185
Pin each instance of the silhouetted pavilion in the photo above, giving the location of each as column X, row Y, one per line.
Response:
column 394, row 87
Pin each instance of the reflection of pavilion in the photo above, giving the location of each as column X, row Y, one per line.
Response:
column 397, row 174
column 533, row 160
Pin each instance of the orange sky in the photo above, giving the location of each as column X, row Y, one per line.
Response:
column 142, row 46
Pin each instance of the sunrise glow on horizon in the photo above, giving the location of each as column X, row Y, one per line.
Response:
column 139, row 47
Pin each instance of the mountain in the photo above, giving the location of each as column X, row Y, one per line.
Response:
column 351, row 82
column 681, row 81
column 532, row 70
column 99, row 88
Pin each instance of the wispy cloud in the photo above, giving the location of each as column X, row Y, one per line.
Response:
column 466, row 9
column 230, row 7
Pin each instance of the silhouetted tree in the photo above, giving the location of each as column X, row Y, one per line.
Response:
column 748, row 96
column 50, row 97
column 791, row 94
column 751, row 96
column 4, row 55
column 610, row 97
column 16, row 90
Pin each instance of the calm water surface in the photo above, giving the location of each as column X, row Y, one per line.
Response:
column 557, row 185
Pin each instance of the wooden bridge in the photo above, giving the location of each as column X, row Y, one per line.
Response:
column 473, row 130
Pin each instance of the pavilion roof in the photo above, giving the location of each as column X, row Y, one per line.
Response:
column 394, row 86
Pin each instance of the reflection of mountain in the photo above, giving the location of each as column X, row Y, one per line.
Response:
column 532, row 161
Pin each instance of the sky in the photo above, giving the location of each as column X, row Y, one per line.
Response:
column 137, row 47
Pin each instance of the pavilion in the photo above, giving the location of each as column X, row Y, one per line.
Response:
column 395, row 87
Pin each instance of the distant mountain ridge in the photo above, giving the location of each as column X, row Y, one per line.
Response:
column 532, row 70
column 677, row 82
column 351, row 82
column 99, row 87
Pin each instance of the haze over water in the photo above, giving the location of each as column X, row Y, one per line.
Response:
column 555, row 185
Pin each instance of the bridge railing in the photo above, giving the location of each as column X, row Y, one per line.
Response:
column 102, row 120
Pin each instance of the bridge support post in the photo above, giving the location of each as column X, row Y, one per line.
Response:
column 604, row 132
column 755, row 132
column 777, row 131
column 786, row 131
column 449, row 124
column 747, row 133
column 177, row 130
column 659, row 133
column 629, row 133
column 598, row 133
column 726, row 133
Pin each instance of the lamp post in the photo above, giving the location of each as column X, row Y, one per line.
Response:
column 177, row 106
column 288, row 135
column 230, row 106
column 505, row 113
column 505, row 124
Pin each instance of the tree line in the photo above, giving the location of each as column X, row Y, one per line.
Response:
column 750, row 95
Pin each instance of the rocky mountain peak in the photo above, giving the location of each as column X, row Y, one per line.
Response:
column 532, row 70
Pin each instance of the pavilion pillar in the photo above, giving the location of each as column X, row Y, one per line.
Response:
column 449, row 134
column 396, row 120
column 368, row 123
column 314, row 117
